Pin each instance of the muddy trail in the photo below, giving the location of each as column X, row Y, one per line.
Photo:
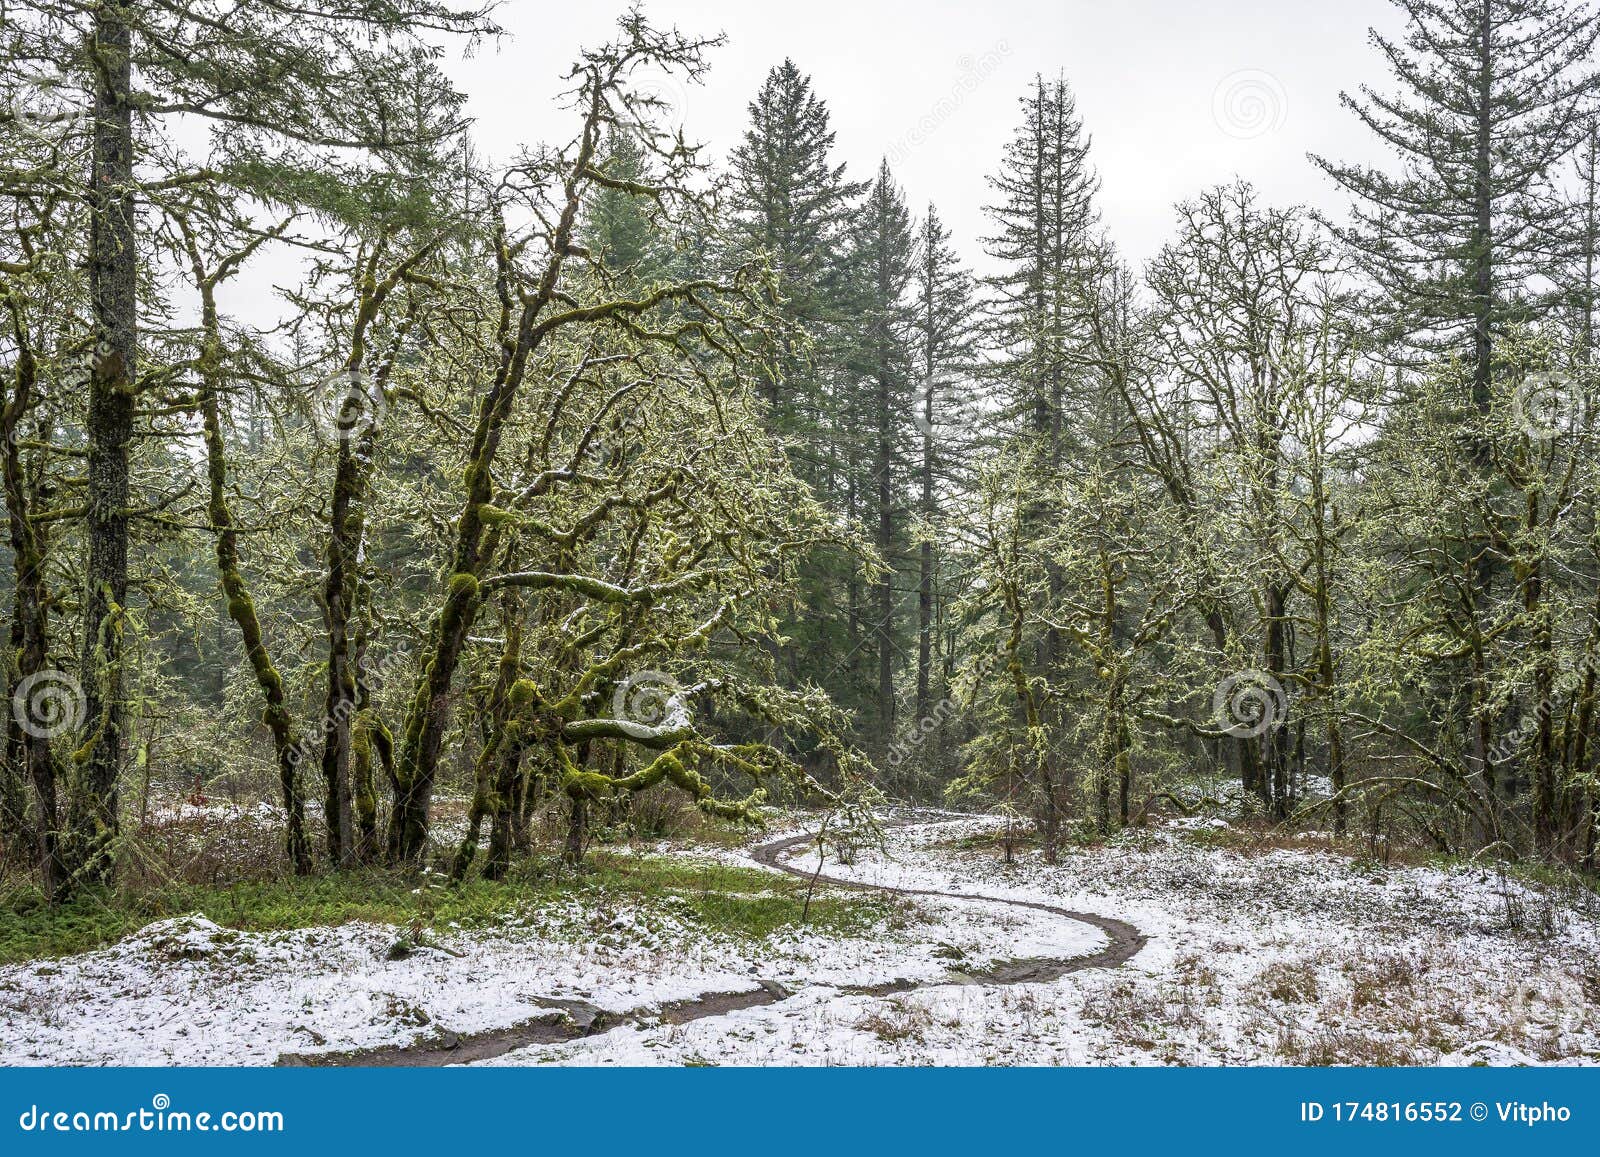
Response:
column 569, row 1020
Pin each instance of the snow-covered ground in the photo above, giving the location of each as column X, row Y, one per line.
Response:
column 185, row 991
column 1277, row 956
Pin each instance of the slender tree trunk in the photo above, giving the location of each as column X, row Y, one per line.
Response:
column 506, row 808
column 577, row 830
column 1275, row 741
column 113, row 286
column 241, row 609
column 883, row 467
column 489, row 771
column 339, row 704
column 368, row 736
column 1483, row 221
column 925, row 565
column 1546, row 802
column 30, row 627
column 1482, row 259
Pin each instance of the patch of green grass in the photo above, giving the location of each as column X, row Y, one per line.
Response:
column 1210, row 837
column 742, row 902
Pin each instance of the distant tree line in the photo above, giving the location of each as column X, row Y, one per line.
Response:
column 608, row 469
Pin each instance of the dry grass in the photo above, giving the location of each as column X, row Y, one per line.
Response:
column 1328, row 1046
column 1290, row 983
column 897, row 1020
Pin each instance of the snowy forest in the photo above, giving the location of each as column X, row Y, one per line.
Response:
column 545, row 536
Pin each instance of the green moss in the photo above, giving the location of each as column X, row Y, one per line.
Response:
column 589, row 785
column 523, row 692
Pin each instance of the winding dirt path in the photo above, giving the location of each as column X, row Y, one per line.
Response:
column 1123, row 940
column 569, row 1020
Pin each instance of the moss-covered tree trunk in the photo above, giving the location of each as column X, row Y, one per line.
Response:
column 113, row 287
column 1275, row 739
column 502, row 735
column 342, row 584
column 241, row 608
column 577, row 829
column 521, row 335
column 1547, row 817
column 1577, row 752
column 30, row 749
column 507, row 826
column 368, row 737
column 1040, row 754
column 339, row 706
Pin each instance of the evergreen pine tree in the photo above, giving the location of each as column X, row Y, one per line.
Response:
column 881, row 258
column 791, row 204
column 1044, row 218
column 617, row 226
column 1492, row 95
column 943, row 345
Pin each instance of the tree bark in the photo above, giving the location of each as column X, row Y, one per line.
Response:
column 30, row 641
column 113, row 285
column 242, row 610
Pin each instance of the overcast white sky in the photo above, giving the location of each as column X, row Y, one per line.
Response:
column 1177, row 96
